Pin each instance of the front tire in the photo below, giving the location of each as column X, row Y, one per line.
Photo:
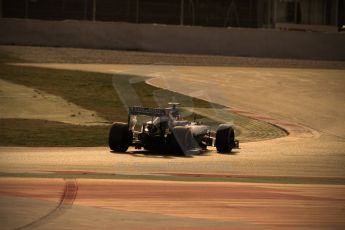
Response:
column 225, row 138
column 119, row 137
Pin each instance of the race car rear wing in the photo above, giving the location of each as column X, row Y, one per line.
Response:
column 153, row 112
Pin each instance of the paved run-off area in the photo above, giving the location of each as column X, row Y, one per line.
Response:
column 133, row 204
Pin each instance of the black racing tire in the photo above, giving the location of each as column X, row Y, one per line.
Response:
column 225, row 138
column 119, row 137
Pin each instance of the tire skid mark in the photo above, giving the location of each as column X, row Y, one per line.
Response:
column 66, row 202
column 70, row 193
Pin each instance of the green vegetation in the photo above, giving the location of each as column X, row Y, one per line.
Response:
column 92, row 91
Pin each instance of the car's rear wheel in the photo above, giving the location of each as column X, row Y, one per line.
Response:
column 119, row 137
column 225, row 138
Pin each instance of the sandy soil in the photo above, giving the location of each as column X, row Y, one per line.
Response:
column 247, row 205
column 18, row 101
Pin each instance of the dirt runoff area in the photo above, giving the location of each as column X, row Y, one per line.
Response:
column 132, row 204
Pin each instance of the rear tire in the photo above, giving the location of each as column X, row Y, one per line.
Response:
column 119, row 137
column 225, row 138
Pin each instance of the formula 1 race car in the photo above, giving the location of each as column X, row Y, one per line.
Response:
column 163, row 130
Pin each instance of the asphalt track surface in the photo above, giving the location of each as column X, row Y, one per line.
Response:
column 307, row 103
